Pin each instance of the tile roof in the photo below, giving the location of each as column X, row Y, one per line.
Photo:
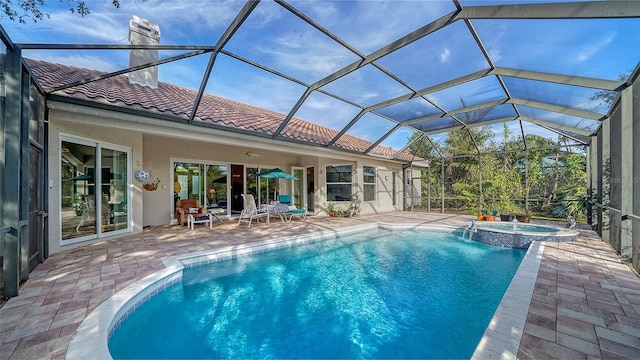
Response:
column 177, row 101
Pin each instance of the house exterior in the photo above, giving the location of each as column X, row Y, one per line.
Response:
column 90, row 127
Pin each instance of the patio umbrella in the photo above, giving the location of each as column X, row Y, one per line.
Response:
column 82, row 177
column 276, row 173
column 221, row 180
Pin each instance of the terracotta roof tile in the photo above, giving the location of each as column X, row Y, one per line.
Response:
column 177, row 101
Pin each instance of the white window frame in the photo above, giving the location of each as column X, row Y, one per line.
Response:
column 366, row 184
column 338, row 183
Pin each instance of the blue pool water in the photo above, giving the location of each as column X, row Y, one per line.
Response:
column 382, row 295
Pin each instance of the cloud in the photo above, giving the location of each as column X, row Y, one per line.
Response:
column 105, row 24
column 326, row 111
column 264, row 92
column 493, row 42
column 308, row 56
column 439, row 139
column 586, row 51
column 187, row 73
column 369, row 25
column 399, row 138
column 216, row 15
column 444, row 55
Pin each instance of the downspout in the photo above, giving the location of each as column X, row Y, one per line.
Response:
column 442, row 182
column 429, row 188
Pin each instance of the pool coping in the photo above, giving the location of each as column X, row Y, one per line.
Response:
column 558, row 231
column 521, row 238
column 90, row 340
column 501, row 339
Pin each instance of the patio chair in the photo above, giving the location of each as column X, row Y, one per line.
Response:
column 250, row 210
column 88, row 208
column 184, row 207
column 294, row 211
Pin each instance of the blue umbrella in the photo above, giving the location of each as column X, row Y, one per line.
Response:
column 82, row 177
column 276, row 173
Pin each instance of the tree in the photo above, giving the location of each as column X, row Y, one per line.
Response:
column 608, row 97
column 32, row 9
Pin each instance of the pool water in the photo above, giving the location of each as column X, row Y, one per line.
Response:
column 408, row 294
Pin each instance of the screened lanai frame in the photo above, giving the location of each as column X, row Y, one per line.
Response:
column 526, row 96
column 412, row 106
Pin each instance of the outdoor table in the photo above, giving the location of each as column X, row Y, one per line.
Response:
column 276, row 210
column 215, row 212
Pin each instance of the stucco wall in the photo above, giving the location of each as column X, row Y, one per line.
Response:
column 159, row 152
column 155, row 153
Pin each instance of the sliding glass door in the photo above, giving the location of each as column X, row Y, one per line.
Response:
column 220, row 186
column 202, row 181
column 93, row 202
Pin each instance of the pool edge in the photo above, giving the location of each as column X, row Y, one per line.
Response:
column 501, row 339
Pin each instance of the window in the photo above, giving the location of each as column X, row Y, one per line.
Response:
column 339, row 182
column 369, row 183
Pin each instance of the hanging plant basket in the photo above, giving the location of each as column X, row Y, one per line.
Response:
column 150, row 186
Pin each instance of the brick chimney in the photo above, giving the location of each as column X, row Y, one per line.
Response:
column 143, row 32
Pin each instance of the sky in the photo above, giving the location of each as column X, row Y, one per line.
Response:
column 274, row 37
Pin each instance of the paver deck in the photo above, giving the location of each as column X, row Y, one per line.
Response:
column 585, row 304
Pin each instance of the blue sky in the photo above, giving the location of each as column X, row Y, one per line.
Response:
column 277, row 39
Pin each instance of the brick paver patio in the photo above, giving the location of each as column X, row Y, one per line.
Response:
column 586, row 303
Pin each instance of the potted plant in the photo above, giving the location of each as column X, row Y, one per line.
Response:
column 482, row 216
column 507, row 217
column 331, row 208
column 354, row 208
column 151, row 185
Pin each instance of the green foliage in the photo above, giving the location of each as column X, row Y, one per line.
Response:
column 31, row 9
column 556, row 179
column 608, row 97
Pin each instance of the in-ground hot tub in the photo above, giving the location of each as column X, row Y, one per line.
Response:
column 519, row 235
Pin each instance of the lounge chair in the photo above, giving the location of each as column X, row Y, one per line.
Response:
column 284, row 199
column 250, row 210
column 294, row 211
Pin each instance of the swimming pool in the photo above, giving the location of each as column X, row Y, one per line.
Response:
column 356, row 297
